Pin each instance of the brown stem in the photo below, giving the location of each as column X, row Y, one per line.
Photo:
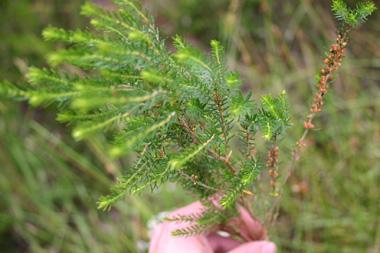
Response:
column 197, row 182
column 342, row 43
column 213, row 153
column 217, row 102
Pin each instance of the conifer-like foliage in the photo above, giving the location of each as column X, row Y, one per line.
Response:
column 350, row 16
column 182, row 112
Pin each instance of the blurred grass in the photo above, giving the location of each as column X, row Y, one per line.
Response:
column 49, row 184
column 49, row 193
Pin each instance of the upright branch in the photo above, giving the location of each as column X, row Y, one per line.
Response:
column 332, row 64
column 272, row 163
column 350, row 18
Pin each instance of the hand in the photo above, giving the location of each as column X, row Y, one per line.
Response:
column 163, row 242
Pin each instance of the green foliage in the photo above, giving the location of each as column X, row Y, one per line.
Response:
column 241, row 106
column 353, row 17
column 178, row 161
column 204, row 220
column 248, row 173
column 274, row 115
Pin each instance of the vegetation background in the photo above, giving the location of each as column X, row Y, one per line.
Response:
column 49, row 184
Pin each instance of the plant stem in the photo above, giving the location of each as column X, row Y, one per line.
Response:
column 197, row 182
column 213, row 153
column 342, row 43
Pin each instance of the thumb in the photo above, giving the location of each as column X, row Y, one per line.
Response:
column 255, row 247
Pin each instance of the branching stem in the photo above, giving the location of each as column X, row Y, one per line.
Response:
column 296, row 152
column 213, row 153
column 197, row 182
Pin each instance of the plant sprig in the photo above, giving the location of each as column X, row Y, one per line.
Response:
column 182, row 112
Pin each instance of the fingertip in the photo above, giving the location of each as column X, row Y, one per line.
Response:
column 222, row 244
column 249, row 225
column 256, row 247
column 189, row 209
column 269, row 247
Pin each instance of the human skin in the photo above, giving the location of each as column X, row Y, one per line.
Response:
column 162, row 241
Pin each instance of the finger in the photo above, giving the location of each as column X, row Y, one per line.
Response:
column 250, row 226
column 222, row 244
column 255, row 247
column 195, row 207
column 245, row 223
column 156, row 237
column 163, row 242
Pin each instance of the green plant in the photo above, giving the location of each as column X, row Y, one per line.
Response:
column 181, row 112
